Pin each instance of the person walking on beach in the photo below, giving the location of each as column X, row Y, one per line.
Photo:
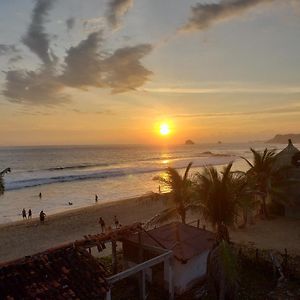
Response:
column 40, row 195
column 102, row 224
column 29, row 213
column 42, row 217
column 24, row 214
column 96, row 198
column 116, row 221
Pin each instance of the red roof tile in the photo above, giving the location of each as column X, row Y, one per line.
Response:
column 61, row 273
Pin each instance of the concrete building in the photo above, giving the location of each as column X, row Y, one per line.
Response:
column 190, row 247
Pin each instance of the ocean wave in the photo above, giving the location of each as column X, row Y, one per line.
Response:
column 74, row 167
column 107, row 173
column 84, row 166
column 150, row 159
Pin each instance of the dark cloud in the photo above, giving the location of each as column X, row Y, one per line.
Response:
column 70, row 23
column 8, row 49
column 34, row 87
column 87, row 66
column 124, row 70
column 204, row 16
column 83, row 63
column 116, row 10
column 36, row 39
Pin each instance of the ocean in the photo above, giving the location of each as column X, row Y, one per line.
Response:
column 75, row 174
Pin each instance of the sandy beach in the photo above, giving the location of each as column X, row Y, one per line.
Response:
column 28, row 237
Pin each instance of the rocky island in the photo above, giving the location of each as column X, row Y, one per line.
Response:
column 189, row 142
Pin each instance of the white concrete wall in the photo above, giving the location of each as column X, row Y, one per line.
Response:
column 187, row 274
column 184, row 275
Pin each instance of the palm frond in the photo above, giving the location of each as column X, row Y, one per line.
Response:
column 187, row 171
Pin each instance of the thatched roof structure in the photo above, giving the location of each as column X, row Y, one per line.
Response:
column 285, row 157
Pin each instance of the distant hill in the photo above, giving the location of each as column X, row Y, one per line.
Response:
column 283, row 138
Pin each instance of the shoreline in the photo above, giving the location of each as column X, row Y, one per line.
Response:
column 71, row 212
column 28, row 237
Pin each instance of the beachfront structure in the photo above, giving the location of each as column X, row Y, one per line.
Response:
column 190, row 247
column 73, row 271
column 66, row 272
column 289, row 158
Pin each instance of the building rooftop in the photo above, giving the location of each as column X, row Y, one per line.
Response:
column 60, row 273
column 184, row 240
column 285, row 157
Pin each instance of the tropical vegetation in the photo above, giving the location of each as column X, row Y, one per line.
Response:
column 222, row 198
column 2, row 173
column 216, row 199
column 180, row 188
column 261, row 176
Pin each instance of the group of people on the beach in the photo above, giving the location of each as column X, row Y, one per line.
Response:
column 25, row 215
column 103, row 225
column 28, row 215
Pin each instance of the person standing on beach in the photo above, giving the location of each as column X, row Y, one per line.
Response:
column 96, row 198
column 24, row 214
column 116, row 221
column 42, row 217
column 102, row 224
column 29, row 213
column 40, row 195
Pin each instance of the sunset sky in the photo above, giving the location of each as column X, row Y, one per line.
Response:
column 111, row 71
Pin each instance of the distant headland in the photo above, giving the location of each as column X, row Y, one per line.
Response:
column 189, row 142
column 283, row 138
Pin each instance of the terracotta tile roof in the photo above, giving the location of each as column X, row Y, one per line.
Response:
column 185, row 241
column 61, row 273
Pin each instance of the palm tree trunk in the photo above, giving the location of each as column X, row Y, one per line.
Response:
column 264, row 207
column 245, row 217
column 183, row 217
column 222, row 233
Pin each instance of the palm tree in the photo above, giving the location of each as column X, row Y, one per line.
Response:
column 216, row 198
column 245, row 200
column 180, row 195
column 261, row 175
column 2, row 173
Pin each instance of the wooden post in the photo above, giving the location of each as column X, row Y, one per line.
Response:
column 198, row 223
column 141, row 251
column 143, row 285
column 114, row 257
column 142, row 275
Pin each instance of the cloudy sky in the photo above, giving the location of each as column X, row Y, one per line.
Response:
column 109, row 71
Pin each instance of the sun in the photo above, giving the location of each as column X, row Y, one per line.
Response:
column 164, row 129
